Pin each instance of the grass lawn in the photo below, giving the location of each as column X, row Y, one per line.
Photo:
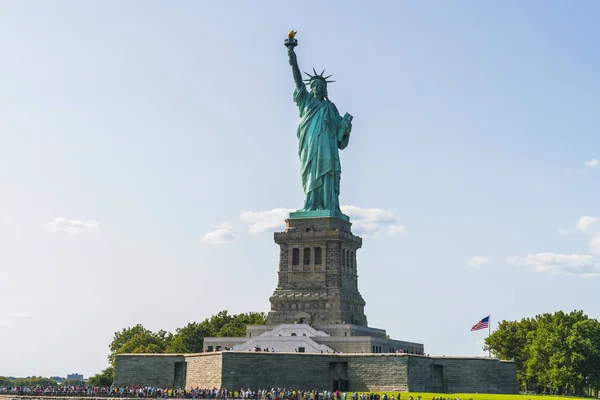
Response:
column 470, row 396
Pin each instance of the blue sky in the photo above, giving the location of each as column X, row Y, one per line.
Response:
column 131, row 131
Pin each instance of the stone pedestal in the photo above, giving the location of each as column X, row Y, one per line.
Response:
column 318, row 280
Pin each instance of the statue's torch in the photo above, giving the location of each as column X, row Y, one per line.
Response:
column 290, row 42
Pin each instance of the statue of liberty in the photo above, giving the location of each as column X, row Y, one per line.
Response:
column 321, row 132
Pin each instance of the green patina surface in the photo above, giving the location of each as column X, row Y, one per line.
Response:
column 322, row 132
column 319, row 214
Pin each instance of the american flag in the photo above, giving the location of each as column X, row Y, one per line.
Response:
column 483, row 324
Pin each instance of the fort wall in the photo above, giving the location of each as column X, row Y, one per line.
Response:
column 346, row 372
column 156, row 370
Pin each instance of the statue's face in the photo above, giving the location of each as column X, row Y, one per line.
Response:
column 319, row 88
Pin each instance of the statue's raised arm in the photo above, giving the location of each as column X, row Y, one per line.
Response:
column 290, row 43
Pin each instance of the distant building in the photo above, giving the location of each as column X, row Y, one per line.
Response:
column 75, row 376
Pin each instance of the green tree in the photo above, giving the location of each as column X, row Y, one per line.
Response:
column 34, row 381
column 538, row 353
column 236, row 327
column 189, row 339
column 509, row 342
column 144, row 342
column 254, row 318
column 584, row 340
column 120, row 338
column 554, row 353
column 217, row 322
column 5, row 382
column 138, row 339
column 103, row 379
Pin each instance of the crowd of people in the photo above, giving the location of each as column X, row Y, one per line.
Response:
column 88, row 391
column 195, row 393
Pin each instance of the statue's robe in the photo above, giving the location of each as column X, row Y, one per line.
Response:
column 321, row 132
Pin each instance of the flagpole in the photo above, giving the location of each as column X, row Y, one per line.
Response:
column 489, row 333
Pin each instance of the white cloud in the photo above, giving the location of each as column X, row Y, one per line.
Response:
column 7, row 320
column 22, row 315
column 477, row 261
column 373, row 221
column 71, row 226
column 559, row 264
column 595, row 244
column 365, row 221
column 590, row 226
column 221, row 235
column 592, row 163
column 266, row 221
column 394, row 230
column 584, row 265
column 587, row 224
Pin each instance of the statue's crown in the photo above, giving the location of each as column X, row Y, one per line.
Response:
column 316, row 76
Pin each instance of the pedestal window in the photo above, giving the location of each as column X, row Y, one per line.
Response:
column 307, row 256
column 318, row 256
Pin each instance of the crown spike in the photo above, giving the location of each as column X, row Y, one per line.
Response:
column 320, row 76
